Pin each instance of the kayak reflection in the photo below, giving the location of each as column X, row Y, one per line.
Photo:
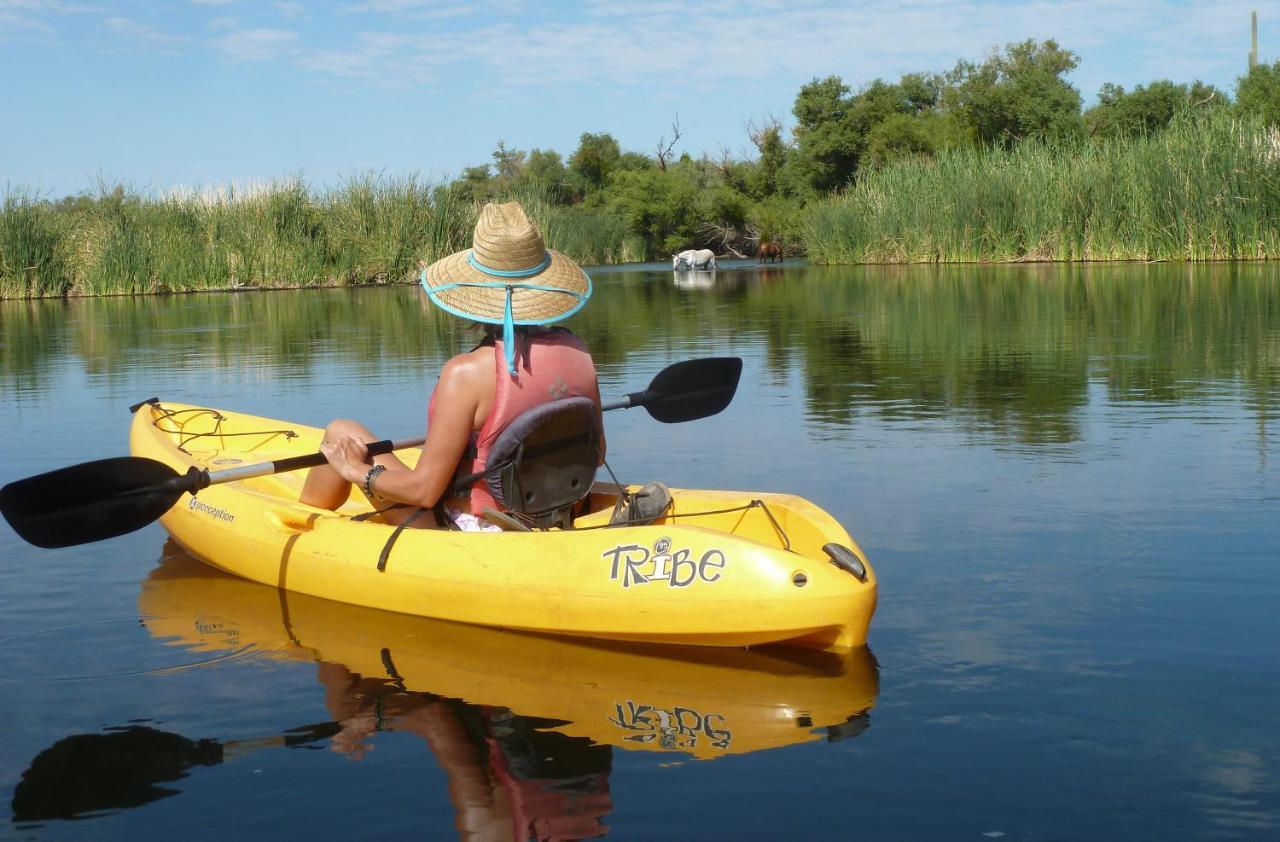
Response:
column 705, row 703
column 524, row 726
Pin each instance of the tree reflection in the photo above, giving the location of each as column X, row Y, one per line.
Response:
column 1006, row 349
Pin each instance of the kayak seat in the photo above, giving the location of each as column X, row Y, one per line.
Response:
column 544, row 463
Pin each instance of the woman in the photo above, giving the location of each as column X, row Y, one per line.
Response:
column 507, row 278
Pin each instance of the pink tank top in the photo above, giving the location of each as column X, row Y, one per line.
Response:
column 551, row 365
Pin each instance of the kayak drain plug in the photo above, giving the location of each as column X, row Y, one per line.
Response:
column 843, row 557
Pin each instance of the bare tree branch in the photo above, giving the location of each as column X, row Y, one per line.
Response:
column 726, row 238
column 664, row 148
column 757, row 132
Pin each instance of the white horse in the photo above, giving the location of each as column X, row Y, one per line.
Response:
column 693, row 259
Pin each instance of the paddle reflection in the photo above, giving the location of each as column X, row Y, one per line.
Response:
column 525, row 727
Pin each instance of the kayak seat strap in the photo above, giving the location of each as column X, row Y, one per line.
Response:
column 395, row 535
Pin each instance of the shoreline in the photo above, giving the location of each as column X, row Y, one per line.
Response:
column 795, row 262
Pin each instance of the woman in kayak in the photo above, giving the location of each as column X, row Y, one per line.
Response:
column 510, row 282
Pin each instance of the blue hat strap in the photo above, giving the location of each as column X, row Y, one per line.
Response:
column 511, row 273
column 509, row 333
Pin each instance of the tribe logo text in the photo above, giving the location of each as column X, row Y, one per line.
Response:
column 633, row 564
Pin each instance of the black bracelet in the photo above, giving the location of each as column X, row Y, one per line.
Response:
column 368, row 481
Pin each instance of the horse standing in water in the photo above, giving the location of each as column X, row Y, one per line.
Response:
column 768, row 253
column 694, row 259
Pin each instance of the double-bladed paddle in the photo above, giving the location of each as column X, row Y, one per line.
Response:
column 109, row 497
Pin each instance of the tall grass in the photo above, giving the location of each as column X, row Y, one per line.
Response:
column 1206, row 188
column 32, row 259
column 367, row 230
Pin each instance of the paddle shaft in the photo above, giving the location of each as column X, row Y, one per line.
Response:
column 641, row 398
column 297, row 463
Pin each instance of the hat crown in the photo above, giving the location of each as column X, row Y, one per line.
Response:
column 506, row 240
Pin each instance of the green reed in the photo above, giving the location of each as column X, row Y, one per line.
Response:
column 368, row 230
column 32, row 259
column 1206, row 188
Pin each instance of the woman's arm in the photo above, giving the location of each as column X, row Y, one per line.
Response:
column 456, row 406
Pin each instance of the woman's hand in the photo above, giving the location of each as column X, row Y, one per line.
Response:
column 349, row 457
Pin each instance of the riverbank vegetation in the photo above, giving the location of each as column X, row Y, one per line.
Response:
column 994, row 160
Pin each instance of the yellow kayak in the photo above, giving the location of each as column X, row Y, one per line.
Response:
column 697, row 702
column 721, row 568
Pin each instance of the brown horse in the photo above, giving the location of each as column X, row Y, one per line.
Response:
column 768, row 253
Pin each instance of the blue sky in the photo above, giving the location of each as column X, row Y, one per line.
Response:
column 188, row 93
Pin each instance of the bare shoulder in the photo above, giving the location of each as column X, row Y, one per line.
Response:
column 467, row 383
column 470, row 369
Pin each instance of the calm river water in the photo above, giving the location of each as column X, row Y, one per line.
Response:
column 1067, row 478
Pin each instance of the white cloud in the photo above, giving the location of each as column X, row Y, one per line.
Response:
column 290, row 10
column 671, row 45
column 412, row 8
column 257, row 44
column 223, row 23
column 393, row 59
column 11, row 20
column 130, row 35
column 34, row 16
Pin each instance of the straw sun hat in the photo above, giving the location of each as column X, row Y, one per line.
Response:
column 508, row 276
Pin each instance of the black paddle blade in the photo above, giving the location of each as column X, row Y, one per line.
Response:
column 91, row 501
column 691, row 389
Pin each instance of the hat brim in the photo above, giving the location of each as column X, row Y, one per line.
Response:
column 488, row 303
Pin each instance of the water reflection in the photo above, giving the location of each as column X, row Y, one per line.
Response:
column 694, row 278
column 699, row 702
column 1010, row 350
column 524, row 726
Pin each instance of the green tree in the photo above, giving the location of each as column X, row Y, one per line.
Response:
column 595, row 158
column 660, row 207
column 545, row 169
column 507, row 162
column 1258, row 92
column 900, row 136
column 762, row 179
column 1147, row 108
column 475, row 184
column 838, row 132
column 827, row 144
column 1021, row 93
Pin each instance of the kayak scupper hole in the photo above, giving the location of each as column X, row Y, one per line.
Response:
column 799, row 578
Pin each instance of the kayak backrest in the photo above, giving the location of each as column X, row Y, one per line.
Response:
column 545, row 461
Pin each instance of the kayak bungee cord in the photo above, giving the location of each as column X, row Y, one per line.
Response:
column 669, row 511
column 673, row 515
column 185, row 438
